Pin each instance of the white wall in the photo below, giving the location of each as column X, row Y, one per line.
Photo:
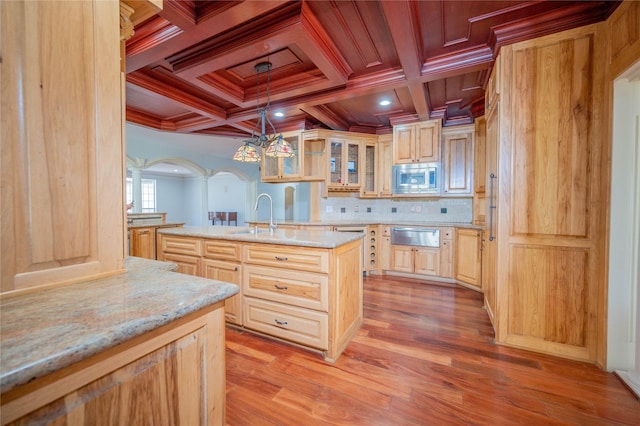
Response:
column 227, row 193
column 623, row 334
column 170, row 198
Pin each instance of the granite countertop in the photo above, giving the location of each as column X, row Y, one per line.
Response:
column 45, row 331
column 291, row 237
column 155, row 224
column 370, row 222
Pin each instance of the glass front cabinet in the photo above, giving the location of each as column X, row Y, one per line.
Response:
column 344, row 164
column 306, row 165
column 283, row 169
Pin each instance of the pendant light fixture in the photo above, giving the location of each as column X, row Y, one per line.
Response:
column 273, row 143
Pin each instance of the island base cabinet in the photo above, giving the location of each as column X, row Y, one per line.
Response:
column 174, row 375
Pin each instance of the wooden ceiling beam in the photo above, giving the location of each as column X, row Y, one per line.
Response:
column 180, row 13
column 181, row 97
column 327, row 117
column 211, row 25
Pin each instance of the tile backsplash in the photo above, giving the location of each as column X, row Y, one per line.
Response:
column 458, row 210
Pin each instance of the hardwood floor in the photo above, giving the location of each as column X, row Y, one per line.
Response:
column 423, row 356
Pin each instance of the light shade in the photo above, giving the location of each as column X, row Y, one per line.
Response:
column 280, row 148
column 247, row 154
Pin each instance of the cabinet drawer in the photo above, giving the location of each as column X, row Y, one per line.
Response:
column 311, row 260
column 290, row 287
column 299, row 325
column 215, row 249
column 182, row 245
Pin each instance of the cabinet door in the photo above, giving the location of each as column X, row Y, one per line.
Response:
column 186, row 264
column 369, row 186
column 277, row 168
column 489, row 258
column 446, row 259
column 352, row 163
column 402, row 259
column 427, row 261
column 427, row 141
column 458, row 163
column 335, row 162
column 385, row 168
column 480, row 156
column 228, row 272
column 143, row 243
column 404, row 142
column 468, row 256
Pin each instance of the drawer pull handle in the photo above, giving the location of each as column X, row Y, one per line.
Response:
column 281, row 258
column 281, row 287
column 281, row 322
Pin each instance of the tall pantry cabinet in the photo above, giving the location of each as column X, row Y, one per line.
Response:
column 545, row 203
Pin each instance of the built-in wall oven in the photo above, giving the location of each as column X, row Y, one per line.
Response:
column 362, row 229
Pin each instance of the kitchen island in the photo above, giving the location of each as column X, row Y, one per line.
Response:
column 301, row 286
column 146, row 344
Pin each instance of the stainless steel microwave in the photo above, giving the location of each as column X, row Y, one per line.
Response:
column 418, row 178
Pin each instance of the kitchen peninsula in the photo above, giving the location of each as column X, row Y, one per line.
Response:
column 302, row 286
column 127, row 347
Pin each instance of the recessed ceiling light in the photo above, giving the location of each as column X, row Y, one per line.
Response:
column 385, row 102
column 279, row 114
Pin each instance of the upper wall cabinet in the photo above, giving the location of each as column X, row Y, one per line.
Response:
column 417, row 142
column 307, row 165
column 457, row 160
column 62, row 142
column 370, row 181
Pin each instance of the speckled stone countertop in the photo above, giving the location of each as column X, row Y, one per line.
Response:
column 291, row 237
column 48, row 330
column 369, row 222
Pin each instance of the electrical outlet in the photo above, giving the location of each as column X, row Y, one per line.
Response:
column 343, row 209
column 368, row 209
column 418, row 209
column 443, row 209
column 356, row 209
column 394, row 209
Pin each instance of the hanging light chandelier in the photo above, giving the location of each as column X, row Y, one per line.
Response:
column 273, row 143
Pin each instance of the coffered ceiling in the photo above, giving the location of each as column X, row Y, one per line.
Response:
column 190, row 68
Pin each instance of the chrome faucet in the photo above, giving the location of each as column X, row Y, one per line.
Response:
column 272, row 226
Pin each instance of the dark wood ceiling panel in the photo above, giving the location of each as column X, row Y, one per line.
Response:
column 191, row 68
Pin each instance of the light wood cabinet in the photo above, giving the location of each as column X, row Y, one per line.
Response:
column 490, row 252
column 385, row 166
column 184, row 251
column 457, row 160
column 320, row 308
column 417, row 142
column 152, row 379
column 344, row 162
column 143, row 242
column 308, row 164
column 384, row 248
column 480, row 172
column 279, row 169
column 62, row 161
column 469, row 255
column 415, row 260
column 370, row 153
column 552, row 181
column 222, row 262
column 446, row 252
column 309, row 296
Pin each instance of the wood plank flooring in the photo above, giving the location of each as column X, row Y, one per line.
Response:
column 424, row 356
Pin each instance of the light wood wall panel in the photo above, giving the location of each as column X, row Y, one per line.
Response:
column 552, row 178
column 548, row 298
column 552, row 117
column 62, row 148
